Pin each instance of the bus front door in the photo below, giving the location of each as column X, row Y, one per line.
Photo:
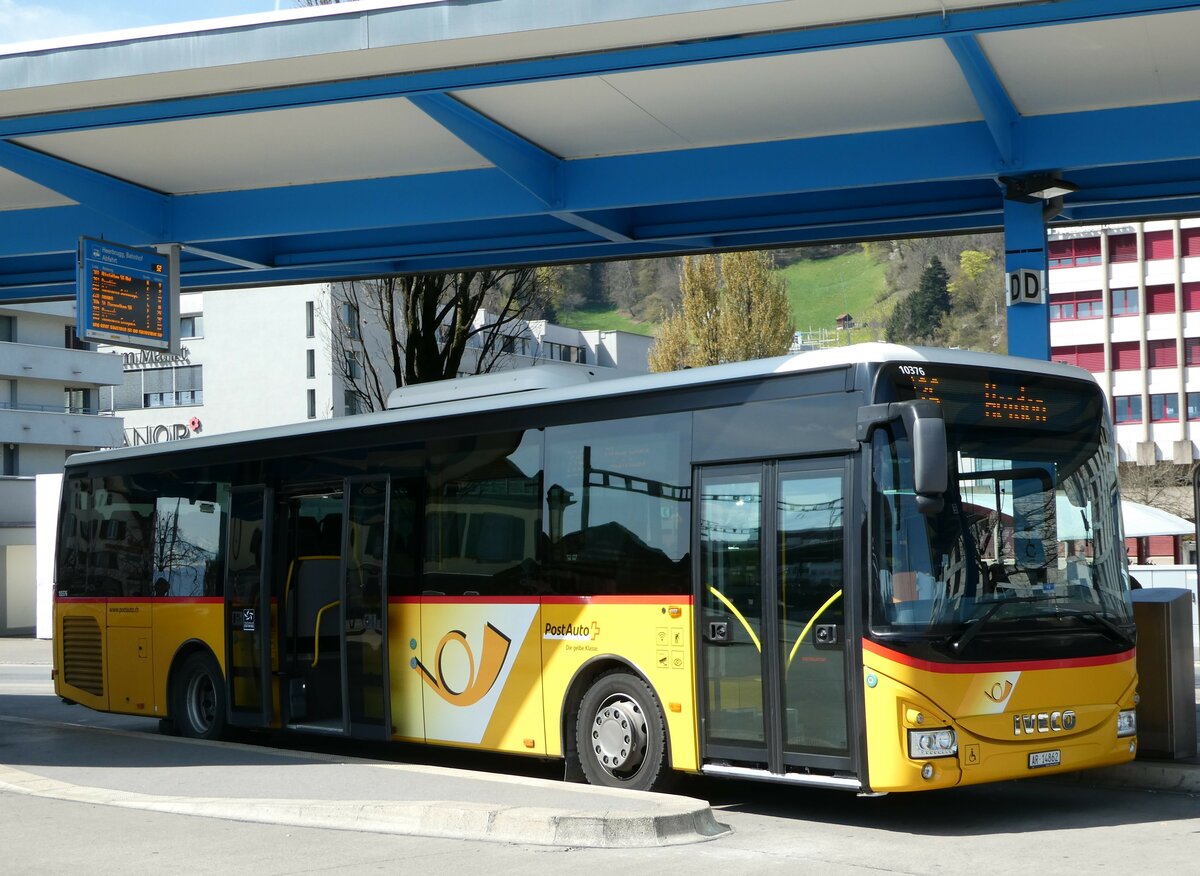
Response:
column 248, row 608
column 770, row 592
column 364, row 599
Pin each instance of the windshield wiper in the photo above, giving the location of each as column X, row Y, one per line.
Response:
column 1112, row 629
column 961, row 640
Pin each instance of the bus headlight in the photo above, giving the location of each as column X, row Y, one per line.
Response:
column 924, row 744
column 1126, row 723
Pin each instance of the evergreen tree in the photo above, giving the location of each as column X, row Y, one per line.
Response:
column 918, row 317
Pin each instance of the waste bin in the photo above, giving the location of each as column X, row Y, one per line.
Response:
column 1166, row 712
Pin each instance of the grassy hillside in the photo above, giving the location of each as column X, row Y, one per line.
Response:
column 605, row 319
column 820, row 291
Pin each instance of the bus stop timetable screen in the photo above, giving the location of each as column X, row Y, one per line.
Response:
column 123, row 295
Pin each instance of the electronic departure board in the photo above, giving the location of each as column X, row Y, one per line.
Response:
column 126, row 296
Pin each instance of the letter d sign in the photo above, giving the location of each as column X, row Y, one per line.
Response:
column 1026, row 286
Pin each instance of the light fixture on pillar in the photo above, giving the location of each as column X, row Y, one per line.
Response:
column 1047, row 187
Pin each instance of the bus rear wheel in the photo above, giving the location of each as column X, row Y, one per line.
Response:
column 620, row 733
column 198, row 709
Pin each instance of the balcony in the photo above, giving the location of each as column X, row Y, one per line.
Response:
column 73, row 367
column 38, row 424
column 16, row 501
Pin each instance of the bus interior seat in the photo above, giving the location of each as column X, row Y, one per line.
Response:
column 308, row 533
column 315, row 586
column 331, row 534
column 916, row 611
column 315, row 632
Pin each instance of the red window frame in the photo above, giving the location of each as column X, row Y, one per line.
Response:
column 1127, row 409
column 1161, row 353
column 1126, row 299
column 1163, row 414
column 1126, row 356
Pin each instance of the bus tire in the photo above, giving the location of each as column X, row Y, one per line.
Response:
column 620, row 733
column 198, row 711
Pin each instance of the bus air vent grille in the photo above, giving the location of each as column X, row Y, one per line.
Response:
column 83, row 665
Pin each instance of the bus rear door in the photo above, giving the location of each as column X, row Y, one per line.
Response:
column 248, row 608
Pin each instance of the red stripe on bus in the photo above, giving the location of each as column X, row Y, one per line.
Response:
column 160, row 600
column 189, row 600
column 543, row 600
column 615, row 600
column 1007, row 666
column 153, row 600
column 482, row 600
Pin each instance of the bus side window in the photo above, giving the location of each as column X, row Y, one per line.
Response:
column 482, row 515
column 122, row 551
column 618, row 506
column 189, row 532
column 75, row 537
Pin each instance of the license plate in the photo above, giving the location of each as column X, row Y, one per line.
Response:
column 1044, row 759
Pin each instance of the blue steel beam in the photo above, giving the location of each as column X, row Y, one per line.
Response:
column 527, row 164
column 1095, row 139
column 997, row 107
column 530, row 166
column 937, row 25
column 132, row 205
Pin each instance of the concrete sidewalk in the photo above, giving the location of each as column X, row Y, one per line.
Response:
column 251, row 783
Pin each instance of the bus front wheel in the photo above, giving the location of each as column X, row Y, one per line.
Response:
column 620, row 734
column 199, row 707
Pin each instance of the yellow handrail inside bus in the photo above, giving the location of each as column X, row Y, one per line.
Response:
column 808, row 626
column 721, row 596
column 287, row 587
column 317, row 632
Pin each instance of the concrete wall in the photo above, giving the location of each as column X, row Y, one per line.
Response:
column 48, row 489
column 18, row 613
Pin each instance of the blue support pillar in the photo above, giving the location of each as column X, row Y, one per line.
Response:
column 1025, row 264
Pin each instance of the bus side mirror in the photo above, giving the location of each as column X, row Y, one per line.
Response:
column 927, row 432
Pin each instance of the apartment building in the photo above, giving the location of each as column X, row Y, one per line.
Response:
column 1125, row 305
column 49, row 388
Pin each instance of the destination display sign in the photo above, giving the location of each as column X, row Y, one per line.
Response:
column 974, row 396
column 124, row 295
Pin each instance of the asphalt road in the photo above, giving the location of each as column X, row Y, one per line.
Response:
column 992, row 829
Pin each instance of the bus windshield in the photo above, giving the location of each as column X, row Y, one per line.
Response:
column 1028, row 539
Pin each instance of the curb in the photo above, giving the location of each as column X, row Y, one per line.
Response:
column 678, row 820
column 527, row 825
column 1180, row 778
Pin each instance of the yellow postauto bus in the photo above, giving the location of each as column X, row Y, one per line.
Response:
column 875, row 568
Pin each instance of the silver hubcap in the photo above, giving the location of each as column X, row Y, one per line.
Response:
column 619, row 735
column 202, row 702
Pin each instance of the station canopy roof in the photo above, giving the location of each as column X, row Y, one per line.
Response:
column 389, row 137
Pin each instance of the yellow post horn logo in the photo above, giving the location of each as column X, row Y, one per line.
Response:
column 999, row 692
column 495, row 650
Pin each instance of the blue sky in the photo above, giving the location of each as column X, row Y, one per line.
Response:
column 22, row 20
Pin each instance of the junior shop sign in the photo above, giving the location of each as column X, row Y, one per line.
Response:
column 156, row 434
